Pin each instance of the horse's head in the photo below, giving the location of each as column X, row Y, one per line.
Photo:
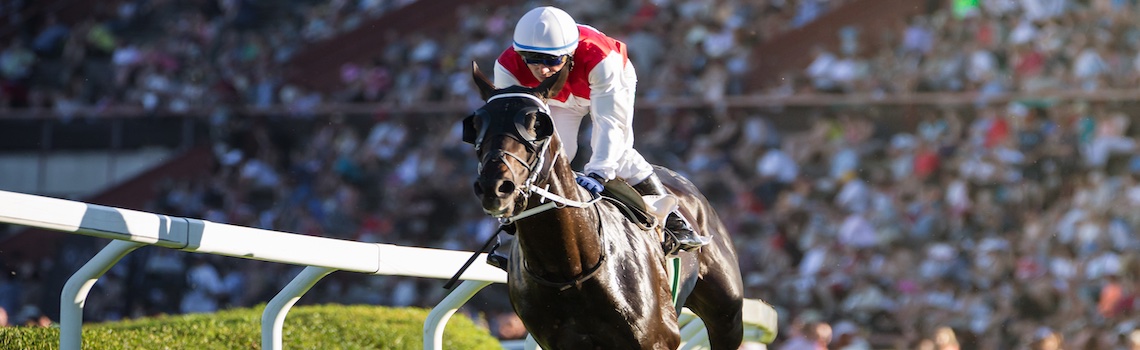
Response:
column 513, row 134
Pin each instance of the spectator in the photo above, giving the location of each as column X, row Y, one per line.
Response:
column 848, row 336
column 509, row 326
column 775, row 171
column 49, row 41
column 16, row 61
column 812, row 336
column 206, row 288
column 1046, row 339
column 820, row 70
column 918, row 38
column 946, row 339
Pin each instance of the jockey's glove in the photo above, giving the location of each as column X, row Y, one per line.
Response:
column 592, row 183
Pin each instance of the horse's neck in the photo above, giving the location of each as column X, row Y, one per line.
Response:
column 565, row 241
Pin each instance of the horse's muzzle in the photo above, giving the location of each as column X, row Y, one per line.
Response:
column 496, row 195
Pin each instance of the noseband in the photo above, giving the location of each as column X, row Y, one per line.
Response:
column 501, row 156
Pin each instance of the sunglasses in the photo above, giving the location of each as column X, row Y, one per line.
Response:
column 541, row 58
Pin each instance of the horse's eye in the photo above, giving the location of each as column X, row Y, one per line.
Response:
column 528, row 123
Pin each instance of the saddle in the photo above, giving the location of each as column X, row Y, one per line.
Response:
column 630, row 203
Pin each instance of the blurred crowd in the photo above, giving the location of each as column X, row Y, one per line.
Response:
column 989, row 47
column 986, row 226
column 164, row 55
column 177, row 55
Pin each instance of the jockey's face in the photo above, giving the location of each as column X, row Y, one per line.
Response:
column 545, row 68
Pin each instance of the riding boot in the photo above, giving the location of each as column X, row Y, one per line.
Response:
column 679, row 230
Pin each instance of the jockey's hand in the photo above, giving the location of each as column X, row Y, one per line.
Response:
column 592, row 183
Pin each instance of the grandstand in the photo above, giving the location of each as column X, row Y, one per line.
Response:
column 951, row 174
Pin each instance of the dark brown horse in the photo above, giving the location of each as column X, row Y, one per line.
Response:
column 581, row 275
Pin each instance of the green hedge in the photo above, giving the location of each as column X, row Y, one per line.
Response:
column 306, row 327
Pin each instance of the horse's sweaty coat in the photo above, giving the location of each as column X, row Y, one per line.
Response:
column 588, row 278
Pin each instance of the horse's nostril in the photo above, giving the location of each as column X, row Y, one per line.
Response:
column 507, row 187
column 478, row 189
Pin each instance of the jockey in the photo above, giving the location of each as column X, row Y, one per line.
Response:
column 602, row 83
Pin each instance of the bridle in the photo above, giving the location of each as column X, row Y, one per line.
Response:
column 538, row 145
column 536, row 183
column 538, row 164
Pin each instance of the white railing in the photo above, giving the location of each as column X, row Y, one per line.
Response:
column 131, row 229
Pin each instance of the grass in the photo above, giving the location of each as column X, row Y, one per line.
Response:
column 306, row 327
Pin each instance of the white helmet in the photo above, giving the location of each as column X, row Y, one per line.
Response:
column 547, row 30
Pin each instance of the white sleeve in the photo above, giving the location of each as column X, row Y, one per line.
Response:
column 503, row 78
column 612, row 87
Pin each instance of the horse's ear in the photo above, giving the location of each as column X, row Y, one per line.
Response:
column 552, row 85
column 486, row 88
